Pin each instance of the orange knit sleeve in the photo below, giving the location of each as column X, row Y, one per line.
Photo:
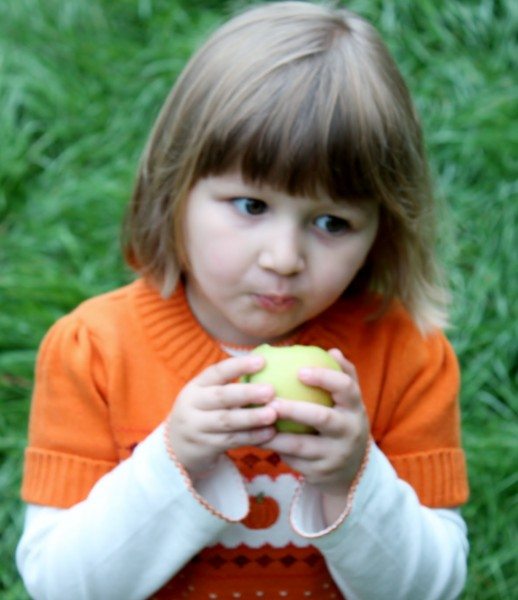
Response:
column 422, row 438
column 70, row 441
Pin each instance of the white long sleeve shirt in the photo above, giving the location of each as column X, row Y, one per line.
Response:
column 387, row 546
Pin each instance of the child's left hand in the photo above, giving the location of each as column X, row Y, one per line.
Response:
column 330, row 460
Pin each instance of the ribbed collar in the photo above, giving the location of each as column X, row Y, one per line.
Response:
column 177, row 337
column 173, row 331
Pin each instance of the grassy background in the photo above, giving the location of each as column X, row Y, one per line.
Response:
column 80, row 84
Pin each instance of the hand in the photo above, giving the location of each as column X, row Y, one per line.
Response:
column 212, row 414
column 331, row 460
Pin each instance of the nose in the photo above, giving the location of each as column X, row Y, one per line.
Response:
column 283, row 250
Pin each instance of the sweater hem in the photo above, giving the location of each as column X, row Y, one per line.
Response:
column 61, row 480
column 438, row 476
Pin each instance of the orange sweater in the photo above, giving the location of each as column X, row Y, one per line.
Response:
column 108, row 373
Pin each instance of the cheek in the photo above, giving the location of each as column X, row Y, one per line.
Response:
column 335, row 274
column 337, row 281
column 214, row 258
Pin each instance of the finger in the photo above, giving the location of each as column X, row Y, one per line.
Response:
column 319, row 474
column 236, row 420
column 307, row 447
column 230, row 369
column 235, row 395
column 344, row 388
column 326, row 420
column 238, row 439
column 299, row 465
column 346, row 365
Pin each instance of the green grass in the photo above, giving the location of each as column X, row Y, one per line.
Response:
column 80, row 84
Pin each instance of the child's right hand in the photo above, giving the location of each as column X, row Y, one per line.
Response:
column 212, row 414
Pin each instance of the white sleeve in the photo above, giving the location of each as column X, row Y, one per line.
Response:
column 139, row 518
column 388, row 545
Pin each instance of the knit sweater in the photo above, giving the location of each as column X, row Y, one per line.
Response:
column 108, row 373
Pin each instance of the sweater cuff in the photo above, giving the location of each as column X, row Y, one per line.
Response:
column 222, row 491
column 368, row 499
column 307, row 515
column 438, row 477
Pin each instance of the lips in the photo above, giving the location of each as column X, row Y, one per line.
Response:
column 275, row 302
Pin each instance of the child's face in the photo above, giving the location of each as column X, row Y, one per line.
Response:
column 261, row 262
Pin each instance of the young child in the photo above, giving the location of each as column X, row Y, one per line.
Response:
column 283, row 198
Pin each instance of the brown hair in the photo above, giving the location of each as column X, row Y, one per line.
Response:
column 307, row 99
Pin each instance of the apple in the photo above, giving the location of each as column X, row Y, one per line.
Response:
column 281, row 370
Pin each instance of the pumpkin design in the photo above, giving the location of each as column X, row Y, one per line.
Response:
column 264, row 512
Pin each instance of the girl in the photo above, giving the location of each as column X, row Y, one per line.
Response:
column 282, row 198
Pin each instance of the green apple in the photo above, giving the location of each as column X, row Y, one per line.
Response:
column 281, row 371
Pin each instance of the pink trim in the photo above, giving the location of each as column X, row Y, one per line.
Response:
column 189, row 484
column 348, row 502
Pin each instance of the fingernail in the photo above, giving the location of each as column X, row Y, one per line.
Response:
column 265, row 390
column 274, row 404
column 256, row 361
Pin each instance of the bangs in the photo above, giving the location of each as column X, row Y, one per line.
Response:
column 313, row 126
